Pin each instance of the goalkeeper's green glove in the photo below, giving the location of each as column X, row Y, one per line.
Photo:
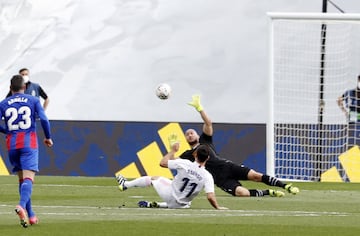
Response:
column 196, row 103
column 172, row 139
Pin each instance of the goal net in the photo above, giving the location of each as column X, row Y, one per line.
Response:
column 314, row 59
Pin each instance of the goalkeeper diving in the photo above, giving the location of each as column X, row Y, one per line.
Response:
column 227, row 174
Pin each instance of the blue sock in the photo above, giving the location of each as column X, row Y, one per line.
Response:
column 29, row 210
column 20, row 183
column 25, row 192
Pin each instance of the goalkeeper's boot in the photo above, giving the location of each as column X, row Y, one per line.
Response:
column 147, row 204
column 22, row 216
column 276, row 193
column 121, row 181
column 33, row 220
column 292, row 189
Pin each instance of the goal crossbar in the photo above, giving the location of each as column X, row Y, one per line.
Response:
column 314, row 16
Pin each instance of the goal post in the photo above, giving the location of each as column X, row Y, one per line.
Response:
column 314, row 58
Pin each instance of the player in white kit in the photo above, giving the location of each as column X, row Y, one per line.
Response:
column 191, row 178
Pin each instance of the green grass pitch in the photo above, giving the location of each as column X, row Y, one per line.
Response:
column 94, row 206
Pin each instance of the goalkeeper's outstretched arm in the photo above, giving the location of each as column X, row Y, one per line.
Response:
column 207, row 127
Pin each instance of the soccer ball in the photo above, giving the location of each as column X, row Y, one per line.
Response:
column 163, row 91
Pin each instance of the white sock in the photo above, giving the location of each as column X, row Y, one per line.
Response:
column 162, row 204
column 144, row 181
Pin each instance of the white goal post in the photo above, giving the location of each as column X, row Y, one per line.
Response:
column 314, row 58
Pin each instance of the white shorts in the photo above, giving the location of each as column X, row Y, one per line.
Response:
column 162, row 186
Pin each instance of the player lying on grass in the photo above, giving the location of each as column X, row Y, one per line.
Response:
column 190, row 179
column 226, row 173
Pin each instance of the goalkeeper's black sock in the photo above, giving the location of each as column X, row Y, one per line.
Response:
column 272, row 181
column 258, row 193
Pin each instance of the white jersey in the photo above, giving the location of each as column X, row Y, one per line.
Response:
column 189, row 180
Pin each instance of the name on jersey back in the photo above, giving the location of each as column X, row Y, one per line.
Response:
column 194, row 173
column 17, row 99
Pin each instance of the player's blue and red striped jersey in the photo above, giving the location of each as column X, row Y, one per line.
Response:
column 20, row 112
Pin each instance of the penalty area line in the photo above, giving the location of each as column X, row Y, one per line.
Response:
column 124, row 211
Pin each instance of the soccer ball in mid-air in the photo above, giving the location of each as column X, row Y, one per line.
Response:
column 163, row 91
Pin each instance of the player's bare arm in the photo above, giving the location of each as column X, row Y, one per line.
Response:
column 212, row 199
column 207, row 126
column 340, row 102
column 169, row 156
column 174, row 147
column 46, row 103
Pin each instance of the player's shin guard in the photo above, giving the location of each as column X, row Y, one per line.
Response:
column 272, row 181
column 257, row 193
column 25, row 192
column 20, row 183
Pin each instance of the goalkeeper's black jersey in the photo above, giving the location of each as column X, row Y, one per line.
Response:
column 215, row 165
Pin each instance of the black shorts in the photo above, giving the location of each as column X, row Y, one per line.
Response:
column 228, row 178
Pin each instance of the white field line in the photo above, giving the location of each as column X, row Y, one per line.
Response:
column 66, row 185
column 106, row 186
column 116, row 211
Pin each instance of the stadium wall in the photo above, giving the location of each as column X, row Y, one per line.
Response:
column 94, row 148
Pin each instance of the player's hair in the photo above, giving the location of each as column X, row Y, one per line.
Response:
column 17, row 83
column 23, row 69
column 202, row 153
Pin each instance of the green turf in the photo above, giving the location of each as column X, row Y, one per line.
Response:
column 94, row 206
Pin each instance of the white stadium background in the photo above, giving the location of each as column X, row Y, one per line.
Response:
column 102, row 59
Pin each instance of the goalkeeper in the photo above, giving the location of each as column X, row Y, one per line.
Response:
column 227, row 174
